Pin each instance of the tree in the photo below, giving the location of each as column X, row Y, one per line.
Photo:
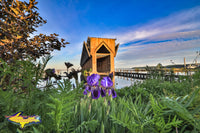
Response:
column 159, row 66
column 19, row 20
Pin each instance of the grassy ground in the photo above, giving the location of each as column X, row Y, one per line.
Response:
column 155, row 106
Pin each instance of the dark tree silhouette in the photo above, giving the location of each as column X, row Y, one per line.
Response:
column 68, row 65
column 49, row 73
column 73, row 73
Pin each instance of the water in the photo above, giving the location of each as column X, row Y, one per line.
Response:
column 121, row 82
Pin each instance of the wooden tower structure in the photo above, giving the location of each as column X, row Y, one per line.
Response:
column 98, row 55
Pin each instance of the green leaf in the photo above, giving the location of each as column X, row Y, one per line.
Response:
column 102, row 128
column 36, row 130
column 19, row 131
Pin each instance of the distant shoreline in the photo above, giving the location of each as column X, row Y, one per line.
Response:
column 167, row 66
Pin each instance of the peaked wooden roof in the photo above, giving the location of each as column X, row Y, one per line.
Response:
column 86, row 50
column 116, row 49
column 85, row 54
column 103, row 44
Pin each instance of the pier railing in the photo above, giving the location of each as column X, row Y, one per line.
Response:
column 144, row 74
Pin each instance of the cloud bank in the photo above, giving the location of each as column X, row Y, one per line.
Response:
column 159, row 41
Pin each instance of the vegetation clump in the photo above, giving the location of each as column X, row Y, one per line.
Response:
column 155, row 105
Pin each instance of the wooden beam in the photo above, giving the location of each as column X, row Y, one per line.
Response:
column 102, row 55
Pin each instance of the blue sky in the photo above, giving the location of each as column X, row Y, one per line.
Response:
column 149, row 31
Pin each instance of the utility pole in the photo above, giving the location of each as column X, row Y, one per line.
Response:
column 184, row 63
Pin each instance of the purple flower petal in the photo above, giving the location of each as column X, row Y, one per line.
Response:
column 103, row 92
column 109, row 92
column 114, row 94
column 85, row 92
column 110, row 75
column 106, row 82
column 93, row 80
column 88, row 88
column 96, row 93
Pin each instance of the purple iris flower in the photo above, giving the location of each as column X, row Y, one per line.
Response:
column 88, row 88
column 114, row 94
column 96, row 90
column 106, row 82
column 103, row 92
column 95, row 93
column 85, row 92
column 93, row 80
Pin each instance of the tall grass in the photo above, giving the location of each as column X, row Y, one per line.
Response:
column 153, row 106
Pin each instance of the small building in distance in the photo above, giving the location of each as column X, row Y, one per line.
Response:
column 98, row 55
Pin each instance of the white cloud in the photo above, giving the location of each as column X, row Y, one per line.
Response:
column 174, row 37
column 155, row 53
column 185, row 20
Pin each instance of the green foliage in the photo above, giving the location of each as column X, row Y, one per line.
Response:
column 23, row 76
column 142, row 119
column 196, row 78
column 60, row 110
column 18, row 21
column 175, row 105
column 160, row 87
column 160, row 115
column 182, row 108
column 86, row 111
column 87, row 126
column 133, row 115
column 154, row 105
